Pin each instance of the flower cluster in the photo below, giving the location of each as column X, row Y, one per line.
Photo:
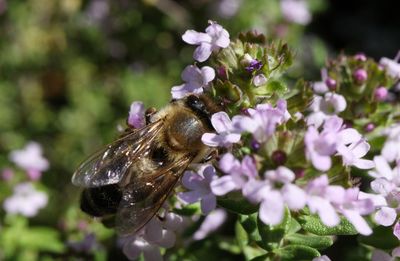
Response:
column 287, row 156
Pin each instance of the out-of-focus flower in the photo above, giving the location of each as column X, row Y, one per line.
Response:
column 262, row 121
column 352, row 150
column 322, row 258
column 296, row 11
column 239, row 175
column 26, row 200
column 211, row 223
column 199, row 185
column 391, row 66
column 226, row 133
column 216, row 37
column 326, row 84
column 148, row 241
column 228, row 8
column 7, row 174
column 136, row 115
column 391, row 148
column 3, row 6
column 386, row 184
column 380, row 255
column 380, row 93
column 31, row 160
column 360, row 57
column 195, row 80
column 88, row 244
column 360, row 75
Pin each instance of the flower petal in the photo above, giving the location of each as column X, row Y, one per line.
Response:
column 385, row 216
column 208, row 203
column 272, row 209
column 193, row 37
column 202, row 52
column 358, row 222
column 294, row 196
column 223, row 185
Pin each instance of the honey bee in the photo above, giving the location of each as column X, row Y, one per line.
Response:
column 128, row 180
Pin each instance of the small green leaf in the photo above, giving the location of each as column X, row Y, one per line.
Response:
column 249, row 223
column 261, row 258
column 318, row 242
column 382, row 238
column 314, row 225
column 297, row 252
column 272, row 235
column 294, row 226
column 235, row 202
column 276, row 87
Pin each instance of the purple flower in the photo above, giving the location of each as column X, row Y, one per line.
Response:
column 276, row 192
column 216, row 37
column 322, row 86
column 86, row 245
column 211, row 223
column 250, row 64
column 195, row 80
column 334, row 138
column 322, row 108
column 148, row 240
column 199, row 185
column 26, row 200
column 380, row 255
column 360, row 75
column 226, row 134
column 391, row 66
column 262, row 121
column 380, row 93
column 239, row 175
column 136, row 115
column 322, row 258
column 31, row 160
column 296, row 11
column 326, row 200
column 391, row 148
column 360, row 57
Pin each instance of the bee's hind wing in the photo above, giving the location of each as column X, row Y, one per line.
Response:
column 143, row 198
column 109, row 165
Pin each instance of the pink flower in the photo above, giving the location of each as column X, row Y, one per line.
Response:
column 195, row 80
column 199, row 185
column 239, row 175
column 31, row 160
column 391, row 66
column 327, row 200
column 296, row 11
column 26, row 200
column 136, row 115
column 216, row 37
column 226, row 134
column 262, row 121
column 211, row 223
column 380, row 255
column 277, row 192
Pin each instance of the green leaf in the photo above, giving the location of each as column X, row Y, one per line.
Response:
column 276, row 87
column 235, row 202
column 249, row 224
column 273, row 235
column 42, row 238
column 261, row 258
column 318, row 242
column 314, row 225
column 297, row 252
column 382, row 238
column 294, row 226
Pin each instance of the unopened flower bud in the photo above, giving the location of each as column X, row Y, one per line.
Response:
column 255, row 145
column 279, row 157
column 360, row 75
column 369, row 127
column 360, row 57
column 331, row 83
column 380, row 93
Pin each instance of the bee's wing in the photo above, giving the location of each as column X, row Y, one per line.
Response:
column 144, row 196
column 109, row 165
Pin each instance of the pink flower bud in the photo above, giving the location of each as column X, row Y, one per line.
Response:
column 360, row 75
column 380, row 93
column 369, row 127
column 331, row 83
column 360, row 57
column 279, row 157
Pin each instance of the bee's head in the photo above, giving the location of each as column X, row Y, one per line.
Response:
column 203, row 106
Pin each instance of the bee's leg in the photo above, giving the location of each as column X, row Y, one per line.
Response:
column 149, row 112
column 212, row 155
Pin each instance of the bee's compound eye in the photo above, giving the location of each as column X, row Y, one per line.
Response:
column 195, row 103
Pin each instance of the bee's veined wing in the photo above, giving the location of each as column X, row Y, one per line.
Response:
column 109, row 165
column 144, row 196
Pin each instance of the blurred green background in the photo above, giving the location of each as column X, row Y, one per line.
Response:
column 69, row 69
